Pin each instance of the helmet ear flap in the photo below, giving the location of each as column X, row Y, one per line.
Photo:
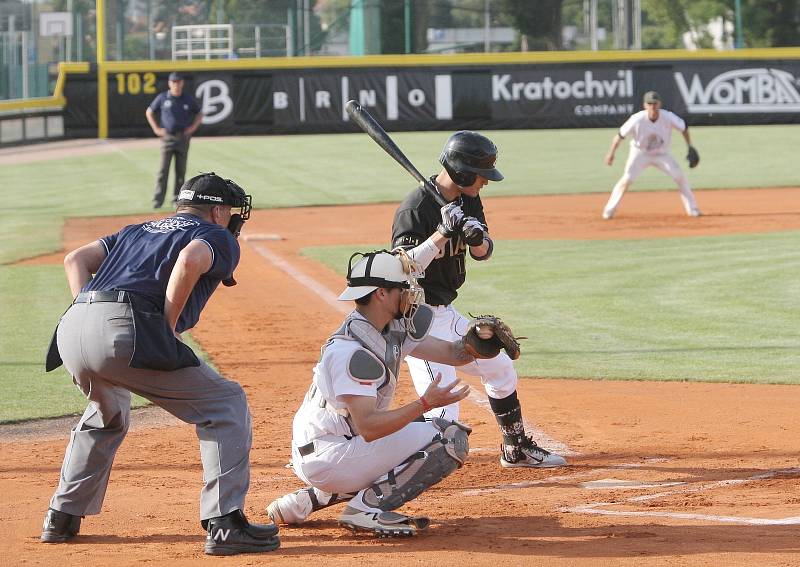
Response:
column 460, row 178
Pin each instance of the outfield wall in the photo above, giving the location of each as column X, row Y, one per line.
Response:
column 441, row 92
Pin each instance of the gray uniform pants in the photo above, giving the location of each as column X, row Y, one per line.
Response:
column 176, row 145
column 96, row 341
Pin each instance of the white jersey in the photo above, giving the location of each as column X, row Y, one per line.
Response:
column 357, row 360
column 652, row 137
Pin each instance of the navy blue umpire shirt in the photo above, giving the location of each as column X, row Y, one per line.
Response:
column 176, row 112
column 140, row 258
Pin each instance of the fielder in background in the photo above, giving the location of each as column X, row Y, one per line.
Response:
column 174, row 117
column 347, row 444
column 468, row 161
column 134, row 292
column 651, row 133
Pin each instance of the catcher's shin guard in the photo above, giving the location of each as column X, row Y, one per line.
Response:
column 428, row 466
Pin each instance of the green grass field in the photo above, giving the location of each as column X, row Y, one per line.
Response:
column 710, row 308
column 700, row 309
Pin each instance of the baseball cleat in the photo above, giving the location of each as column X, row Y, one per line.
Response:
column 695, row 213
column 59, row 526
column 383, row 524
column 608, row 215
column 530, row 455
column 232, row 534
column 292, row 508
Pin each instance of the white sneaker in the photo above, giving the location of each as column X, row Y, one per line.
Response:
column 532, row 456
column 608, row 215
column 383, row 524
column 292, row 508
column 695, row 213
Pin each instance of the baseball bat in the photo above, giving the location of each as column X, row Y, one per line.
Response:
column 374, row 130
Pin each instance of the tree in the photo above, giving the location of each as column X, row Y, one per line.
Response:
column 538, row 20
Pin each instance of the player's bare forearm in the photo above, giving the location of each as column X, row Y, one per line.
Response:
column 479, row 252
column 193, row 262
column 372, row 424
column 82, row 263
column 451, row 353
column 687, row 137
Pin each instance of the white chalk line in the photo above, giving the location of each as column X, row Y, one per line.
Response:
column 320, row 290
column 479, row 398
column 601, row 507
column 331, row 299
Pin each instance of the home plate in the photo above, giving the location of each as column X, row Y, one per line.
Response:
column 615, row 483
column 261, row 236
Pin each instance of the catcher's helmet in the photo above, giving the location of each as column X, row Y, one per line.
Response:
column 468, row 154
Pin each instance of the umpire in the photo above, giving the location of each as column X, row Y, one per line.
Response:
column 180, row 116
column 120, row 335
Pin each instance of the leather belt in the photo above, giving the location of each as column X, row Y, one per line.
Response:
column 103, row 297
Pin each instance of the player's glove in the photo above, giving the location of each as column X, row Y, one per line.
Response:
column 473, row 231
column 480, row 343
column 452, row 219
column 692, row 157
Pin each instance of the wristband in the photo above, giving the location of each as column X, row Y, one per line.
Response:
column 425, row 406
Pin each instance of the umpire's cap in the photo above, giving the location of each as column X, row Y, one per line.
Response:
column 175, row 76
column 211, row 189
column 467, row 154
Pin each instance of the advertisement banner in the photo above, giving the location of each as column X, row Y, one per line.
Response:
column 570, row 95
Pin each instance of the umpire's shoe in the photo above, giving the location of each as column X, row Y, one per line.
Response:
column 60, row 527
column 232, row 533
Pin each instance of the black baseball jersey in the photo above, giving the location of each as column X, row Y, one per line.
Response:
column 414, row 221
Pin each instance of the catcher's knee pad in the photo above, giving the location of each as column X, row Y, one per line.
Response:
column 428, row 466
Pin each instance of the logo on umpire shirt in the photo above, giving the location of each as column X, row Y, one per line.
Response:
column 170, row 224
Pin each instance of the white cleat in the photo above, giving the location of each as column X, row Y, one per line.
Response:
column 292, row 508
column 383, row 524
column 532, row 456
column 608, row 215
column 695, row 213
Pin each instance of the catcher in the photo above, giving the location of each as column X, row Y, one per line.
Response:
column 651, row 131
column 347, row 444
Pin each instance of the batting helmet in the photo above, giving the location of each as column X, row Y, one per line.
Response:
column 469, row 154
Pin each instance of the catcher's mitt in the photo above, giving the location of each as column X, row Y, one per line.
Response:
column 693, row 157
column 501, row 338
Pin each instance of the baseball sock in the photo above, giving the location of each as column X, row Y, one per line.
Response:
column 508, row 413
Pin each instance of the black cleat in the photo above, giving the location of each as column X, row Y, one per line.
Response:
column 59, row 526
column 232, row 534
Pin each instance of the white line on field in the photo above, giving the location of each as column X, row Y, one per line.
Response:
column 478, row 398
column 600, row 507
column 322, row 292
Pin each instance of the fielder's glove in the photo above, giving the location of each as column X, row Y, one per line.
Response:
column 502, row 338
column 693, row 157
column 473, row 231
column 452, row 219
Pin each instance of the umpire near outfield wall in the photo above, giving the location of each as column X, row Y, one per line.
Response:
column 179, row 116
column 120, row 335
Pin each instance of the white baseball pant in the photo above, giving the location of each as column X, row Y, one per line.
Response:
column 638, row 161
column 498, row 376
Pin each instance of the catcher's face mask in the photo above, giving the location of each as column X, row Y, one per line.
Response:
column 412, row 296
column 388, row 270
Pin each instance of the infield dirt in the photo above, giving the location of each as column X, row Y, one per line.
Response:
column 662, row 473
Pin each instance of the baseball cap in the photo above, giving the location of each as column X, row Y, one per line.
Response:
column 211, row 189
column 651, row 97
column 373, row 270
column 175, row 76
